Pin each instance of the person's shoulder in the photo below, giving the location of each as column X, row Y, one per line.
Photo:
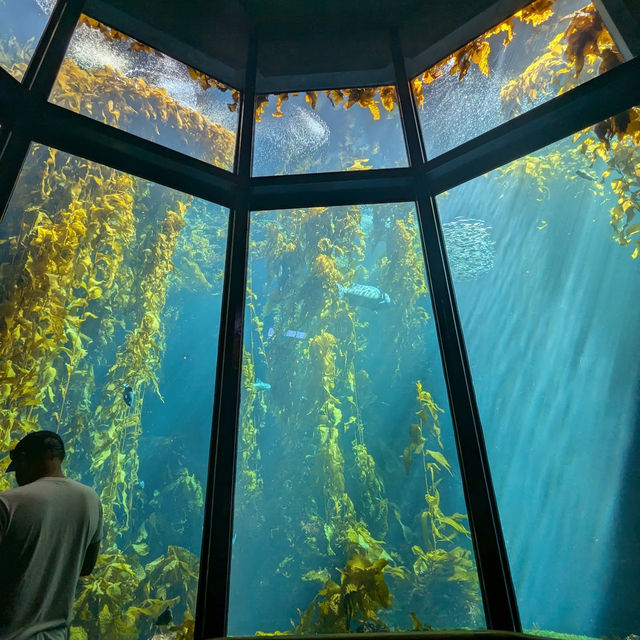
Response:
column 12, row 498
column 79, row 486
column 15, row 493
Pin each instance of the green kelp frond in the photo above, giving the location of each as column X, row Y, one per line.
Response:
column 617, row 143
column 199, row 255
column 361, row 592
column 429, row 419
column 133, row 104
column 436, row 526
column 185, row 631
column 366, row 97
column 360, row 541
column 428, row 408
column 77, row 633
column 415, row 446
column 322, row 575
column 174, row 573
column 417, row 625
column 105, row 606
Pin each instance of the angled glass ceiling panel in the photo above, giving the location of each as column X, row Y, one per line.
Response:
column 334, row 130
column 543, row 50
column 544, row 253
column 349, row 512
column 115, row 79
column 21, row 25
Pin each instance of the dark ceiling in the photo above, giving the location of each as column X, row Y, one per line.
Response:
column 303, row 44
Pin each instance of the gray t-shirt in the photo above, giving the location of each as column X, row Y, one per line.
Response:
column 45, row 529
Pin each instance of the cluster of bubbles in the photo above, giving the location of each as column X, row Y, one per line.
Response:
column 281, row 144
column 470, row 248
column 46, row 6
column 449, row 114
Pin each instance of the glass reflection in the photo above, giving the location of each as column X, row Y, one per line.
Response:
column 548, row 302
column 336, row 130
column 543, row 50
column 115, row 79
column 21, row 25
column 349, row 511
column 108, row 281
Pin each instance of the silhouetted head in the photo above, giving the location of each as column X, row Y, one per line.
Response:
column 37, row 455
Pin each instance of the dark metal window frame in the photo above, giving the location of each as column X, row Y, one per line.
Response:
column 27, row 117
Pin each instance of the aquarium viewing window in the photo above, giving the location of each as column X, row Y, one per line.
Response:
column 333, row 130
column 553, row 245
column 542, row 51
column 110, row 283
column 113, row 78
column 21, row 25
column 348, row 456
column 337, row 360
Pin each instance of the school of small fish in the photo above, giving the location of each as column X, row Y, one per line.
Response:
column 470, row 248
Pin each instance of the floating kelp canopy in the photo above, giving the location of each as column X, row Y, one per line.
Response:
column 21, row 25
column 135, row 96
column 502, row 73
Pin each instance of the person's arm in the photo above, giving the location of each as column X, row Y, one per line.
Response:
column 91, row 555
column 4, row 519
column 90, row 558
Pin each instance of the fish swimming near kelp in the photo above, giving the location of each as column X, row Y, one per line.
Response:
column 260, row 385
column 164, row 618
column 585, row 175
column 289, row 333
column 364, row 295
column 127, row 395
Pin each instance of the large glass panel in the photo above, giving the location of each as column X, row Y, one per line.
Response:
column 544, row 255
column 21, row 25
column 349, row 510
column 115, row 79
column 543, row 50
column 337, row 130
column 109, row 305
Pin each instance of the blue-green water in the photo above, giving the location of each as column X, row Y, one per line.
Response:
column 552, row 338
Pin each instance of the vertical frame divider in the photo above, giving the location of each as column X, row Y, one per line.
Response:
column 498, row 594
column 49, row 54
column 13, row 151
column 215, row 561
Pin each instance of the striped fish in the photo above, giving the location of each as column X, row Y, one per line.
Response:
column 364, row 295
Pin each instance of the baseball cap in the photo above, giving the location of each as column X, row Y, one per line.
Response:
column 35, row 443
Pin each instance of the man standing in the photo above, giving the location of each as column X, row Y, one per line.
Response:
column 50, row 531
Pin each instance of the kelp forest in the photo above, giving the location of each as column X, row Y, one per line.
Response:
column 349, row 510
column 344, row 478
column 94, row 264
